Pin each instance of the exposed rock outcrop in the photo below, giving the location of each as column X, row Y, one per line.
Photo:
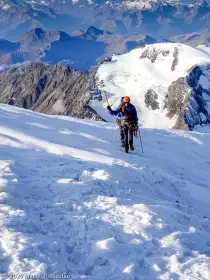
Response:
column 49, row 89
column 176, row 59
column 176, row 102
column 151, row 99
column 152, row 53
column 189, row 98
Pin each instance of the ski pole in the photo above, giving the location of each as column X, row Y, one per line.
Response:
column 141, row 141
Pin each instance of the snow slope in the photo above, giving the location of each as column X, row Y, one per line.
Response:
column 204, row 48
column 152, row 67
column 72, row 202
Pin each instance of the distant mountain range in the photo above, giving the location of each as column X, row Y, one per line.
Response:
column 194, row 39
column 155, row 18
column 82, row 51
column 65, row 4
column 168, row 83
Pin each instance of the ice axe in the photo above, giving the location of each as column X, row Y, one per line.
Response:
column 106, row 97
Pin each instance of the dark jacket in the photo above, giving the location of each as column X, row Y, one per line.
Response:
column 126, row 113
column 11, row 101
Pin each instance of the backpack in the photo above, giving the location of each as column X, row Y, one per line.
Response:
column 125, row 113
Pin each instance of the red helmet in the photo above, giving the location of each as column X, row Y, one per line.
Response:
column 126, row 99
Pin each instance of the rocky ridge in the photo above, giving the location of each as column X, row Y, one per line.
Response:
column 49, row 89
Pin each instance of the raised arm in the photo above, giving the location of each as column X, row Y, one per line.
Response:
column 114, row 112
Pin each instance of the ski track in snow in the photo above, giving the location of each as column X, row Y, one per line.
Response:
column 72, row 202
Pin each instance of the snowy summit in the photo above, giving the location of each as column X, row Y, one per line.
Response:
column 163, row 80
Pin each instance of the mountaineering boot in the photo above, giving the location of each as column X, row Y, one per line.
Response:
column 131, row 147
column 126, row 149
column 123, row 144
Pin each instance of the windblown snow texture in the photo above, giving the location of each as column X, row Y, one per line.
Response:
column 72, row 202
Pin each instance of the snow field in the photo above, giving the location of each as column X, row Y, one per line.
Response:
column 72, row 202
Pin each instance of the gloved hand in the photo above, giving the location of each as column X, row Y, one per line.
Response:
column 136, row 126
column 109, row 108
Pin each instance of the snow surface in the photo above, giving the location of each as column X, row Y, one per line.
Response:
column 129, row 74
column 72, row 202
column 204, row 48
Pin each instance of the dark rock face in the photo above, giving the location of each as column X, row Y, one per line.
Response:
column 49, row 89
column 176, row 104
column 175, row 61
column 152, row 53
column 198, row 105
column 151, row 99
column 189, row 98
